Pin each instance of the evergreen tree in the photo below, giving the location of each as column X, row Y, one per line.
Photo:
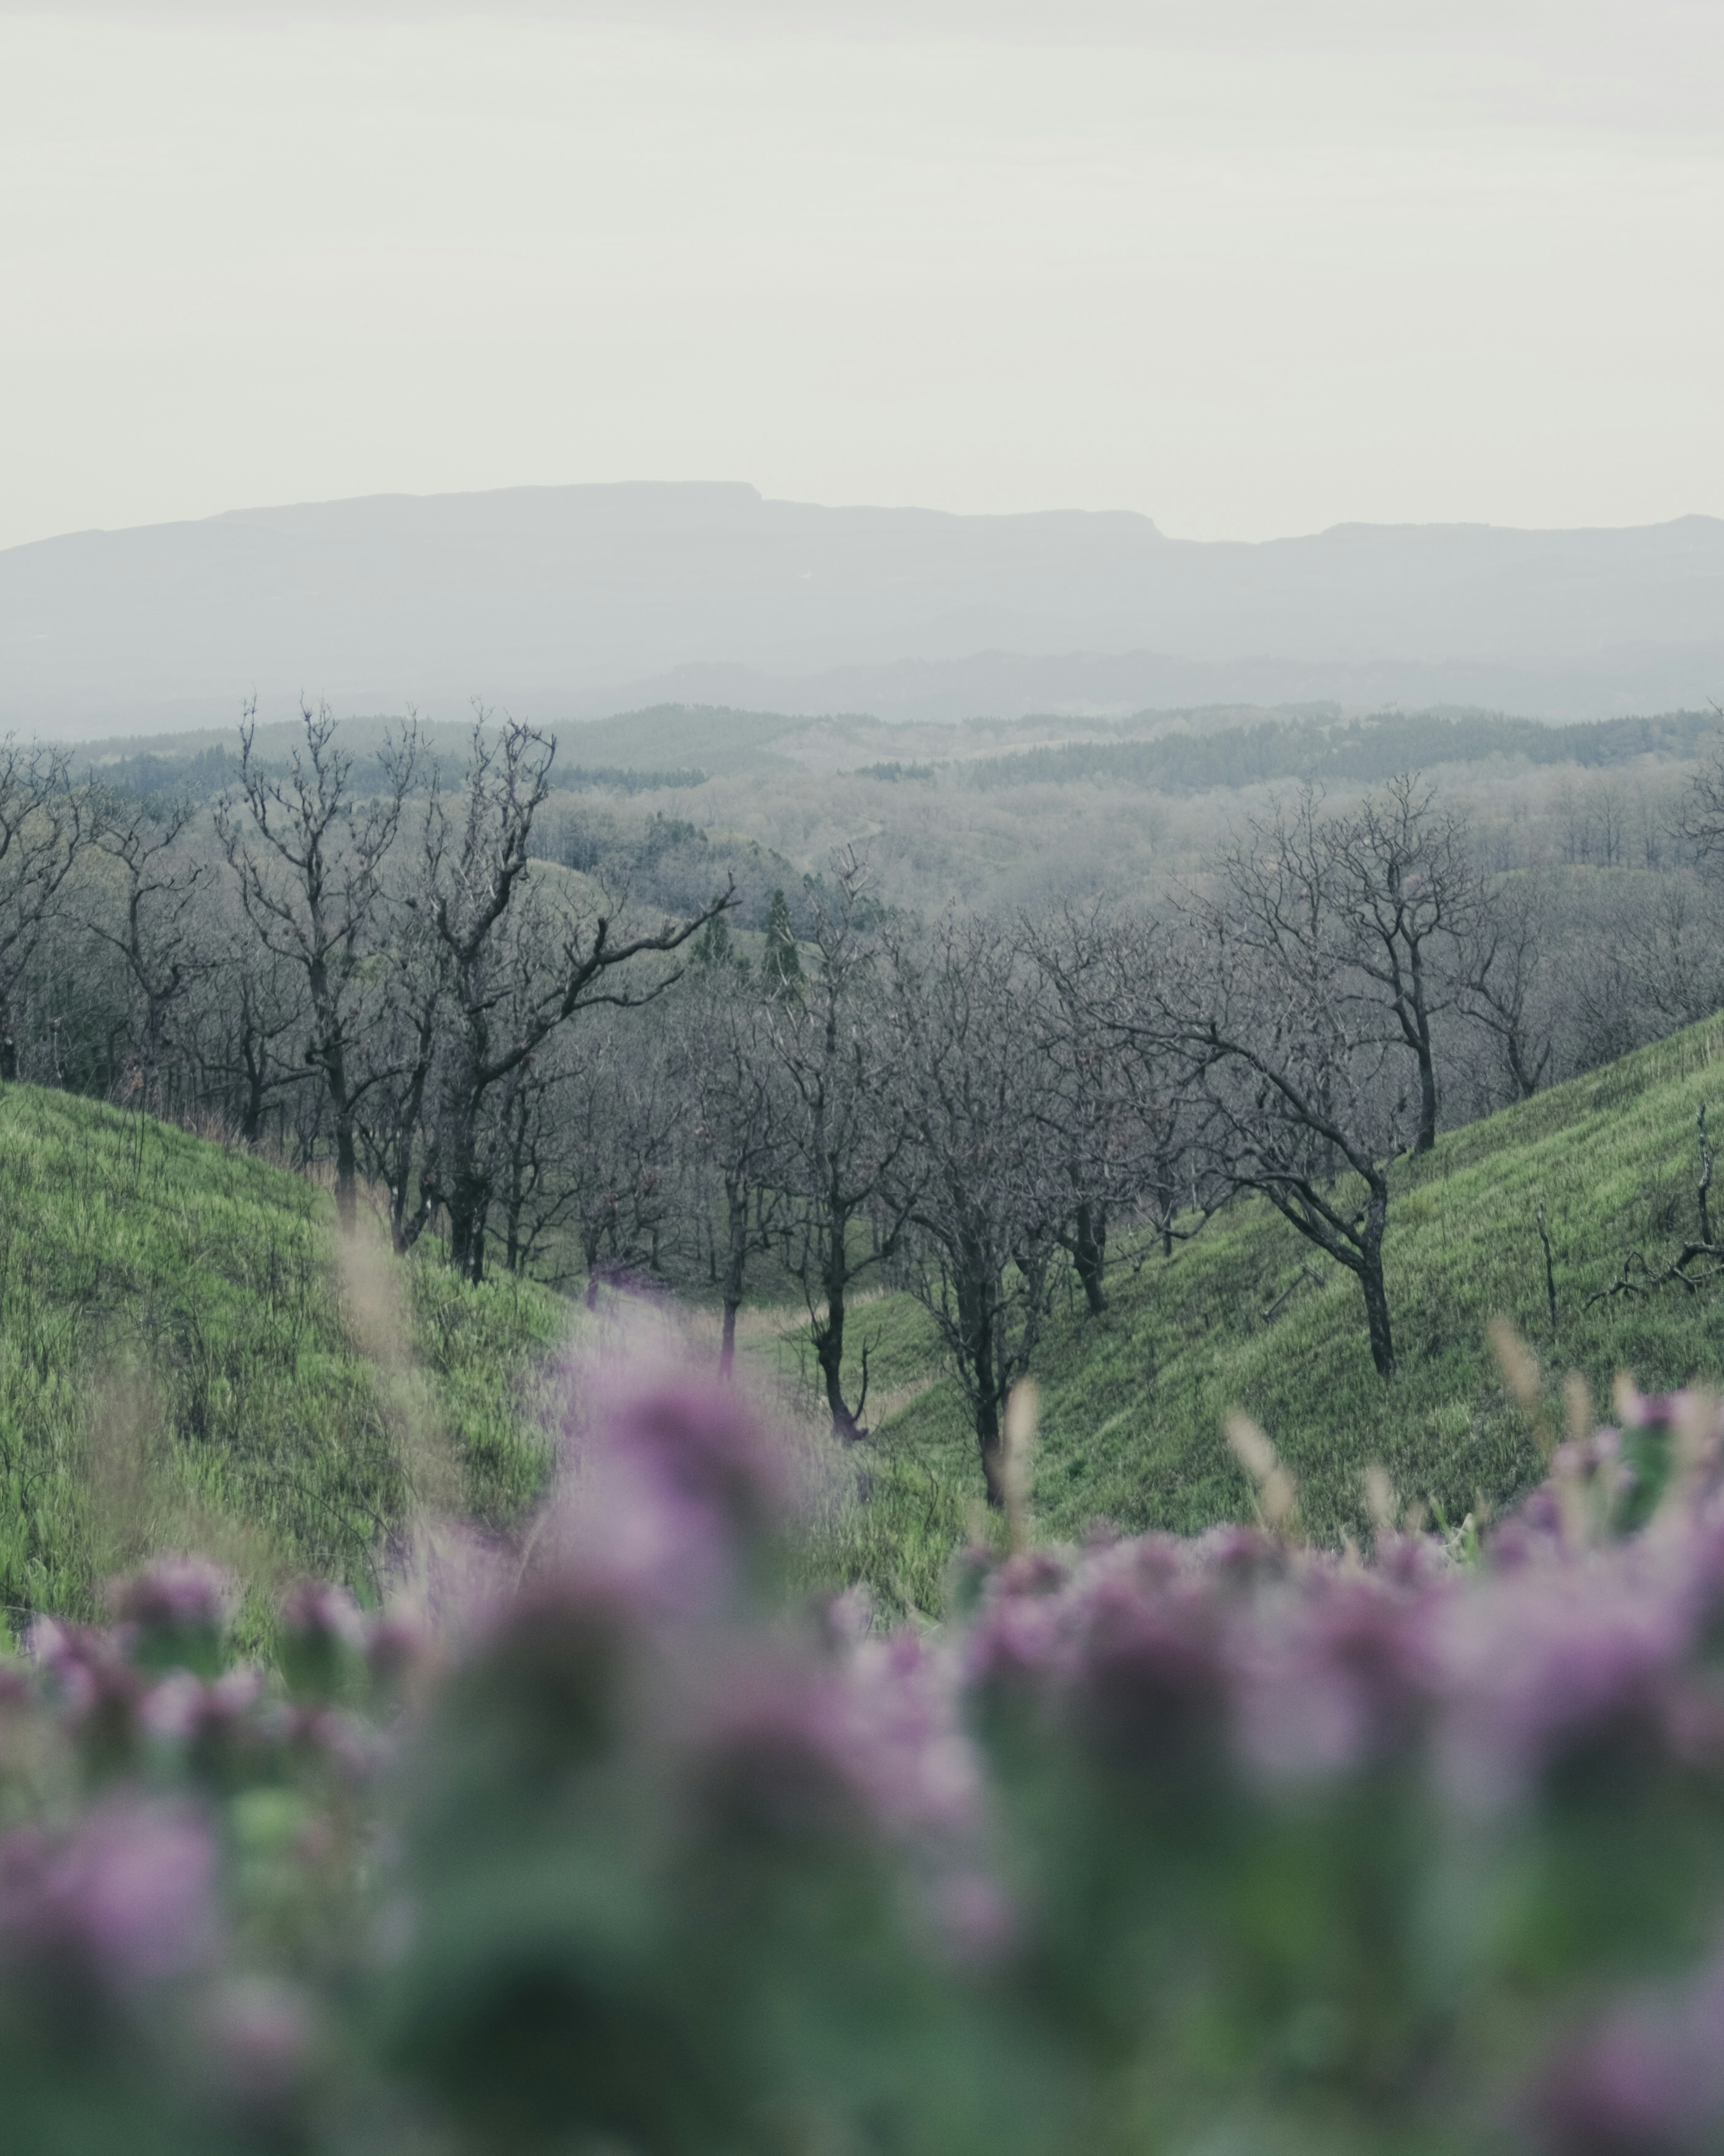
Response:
column 715, row 952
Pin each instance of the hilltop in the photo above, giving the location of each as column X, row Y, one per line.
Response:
column 1246, row 1316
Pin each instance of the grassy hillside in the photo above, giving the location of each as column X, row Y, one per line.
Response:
column 1134, row 1402
column 186, row 1360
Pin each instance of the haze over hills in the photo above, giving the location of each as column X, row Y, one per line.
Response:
column 564, row 602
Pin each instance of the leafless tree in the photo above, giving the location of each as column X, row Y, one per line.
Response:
column 156, row 934
column 311, row 862
column 1112, row 1105
column 1284, row 1032
column 245, row 1027
column 408, row 1040
column 1501, row 965
column 736, row 1090
column 987, row 1191
column 1400, row 878
column 621, row 1115
column 1700, row 818
column 45, row 824
column 517, row 964
column 842, row 1163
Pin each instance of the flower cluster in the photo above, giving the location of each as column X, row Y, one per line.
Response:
column 1155, row 1844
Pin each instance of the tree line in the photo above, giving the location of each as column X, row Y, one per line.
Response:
column 379, row 974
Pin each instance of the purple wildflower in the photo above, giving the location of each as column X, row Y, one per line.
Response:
column 1337, row 1678
column 124, row 1901
column 1550, row 1661
column 1649, row 2081
column 175, row 1594
column 683, row 1491
column 775, row 1759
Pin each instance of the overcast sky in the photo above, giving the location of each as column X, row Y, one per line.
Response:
column 1252, row 269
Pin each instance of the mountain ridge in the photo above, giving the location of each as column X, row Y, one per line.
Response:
column 577, row 602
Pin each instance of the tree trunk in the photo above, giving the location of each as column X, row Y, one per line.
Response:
column 1089, row 1252
column 1525, row 1080
column 992, row 1444
column 347, row 1173
column 1371, row 1281
column 466, row 1229
column 1426, row 1099
column 976, row 1319
column 828, row 1332
column 830, row 1353
column 736, row 1267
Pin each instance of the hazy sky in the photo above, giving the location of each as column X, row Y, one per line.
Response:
column 1251, row 268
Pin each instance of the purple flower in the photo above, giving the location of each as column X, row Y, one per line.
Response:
column 973, row 1918
column 313, row 1609
column 774, row 1759
column 184, row 1711
column 1648, row 2082
column 1336, row 1677
column 1552, row 1661
column 680, row 1495
column 1153, row 1680
column 399, row 1642
column 123, row 1902
column 902, row 1721
column 102, row 1691
column 174, row 1594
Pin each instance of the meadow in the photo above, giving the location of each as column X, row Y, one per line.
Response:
column 188, row 1360
column 1344, row 1830
column 1246, row 1317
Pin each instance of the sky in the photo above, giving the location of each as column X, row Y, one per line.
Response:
column 1250, row 267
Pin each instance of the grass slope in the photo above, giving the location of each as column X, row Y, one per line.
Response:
column 1134, row 1403
column 185, row 1360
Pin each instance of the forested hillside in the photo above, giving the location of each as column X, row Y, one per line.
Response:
column 746, row 1044
column 1136, row 1400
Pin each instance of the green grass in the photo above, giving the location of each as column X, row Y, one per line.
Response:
column 186, row 1361
column 1134, row 1403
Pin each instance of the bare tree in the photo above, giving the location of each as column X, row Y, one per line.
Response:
column 155, row 935
column 245, row 1013
column 1400, row 873
column 311, row 860
column 1112, row 1106
column 44, row 826
column 842, row 1151
column 408, row 1041
column 1501, row 972
column 1700, row 819
column 516, row 962
column 987, row 1190
column 1284, row 1032
column 735, row 1088
column 621, row 1115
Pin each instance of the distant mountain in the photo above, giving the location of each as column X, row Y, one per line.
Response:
column 568, row 601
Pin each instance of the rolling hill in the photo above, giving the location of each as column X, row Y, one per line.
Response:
column 1248, row 1318
column 186, row 1361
